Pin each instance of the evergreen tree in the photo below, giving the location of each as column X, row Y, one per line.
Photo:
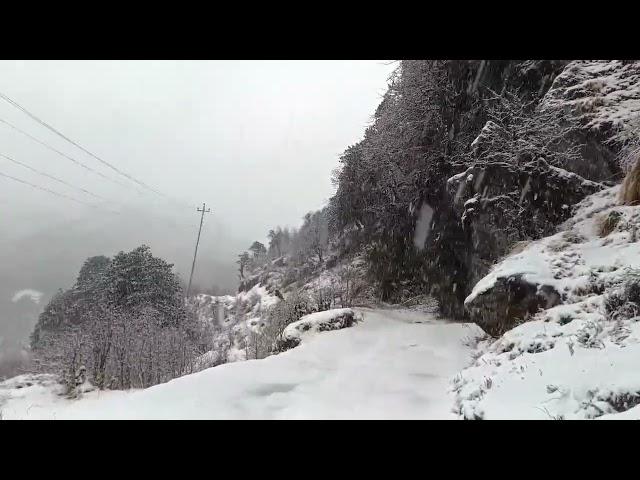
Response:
column 137, row 279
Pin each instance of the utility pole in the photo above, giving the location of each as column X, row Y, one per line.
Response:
column 193, row 265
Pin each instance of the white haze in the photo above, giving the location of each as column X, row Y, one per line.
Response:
column 255, row 140
column 423, row 226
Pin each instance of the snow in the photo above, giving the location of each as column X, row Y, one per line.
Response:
column 534, row 374
column 387, row 367
column 34, row 295
column 571, row 361
column 233, row 318
column 320, row 321
column 565, row 265
column 570, row 175
column 603, row 92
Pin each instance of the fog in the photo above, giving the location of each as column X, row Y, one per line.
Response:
column 255, row 140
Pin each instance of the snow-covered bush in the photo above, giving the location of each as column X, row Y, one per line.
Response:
column 335, row 319
column 324, row 297
column 121, row 350
column 350, row 284
column 268, row 337
column 624, row 302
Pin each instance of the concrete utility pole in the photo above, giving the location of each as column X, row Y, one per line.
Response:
column 193, row 265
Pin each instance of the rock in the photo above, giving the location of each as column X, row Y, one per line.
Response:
column 499, row 204
column 604, row 97
column 511, row 299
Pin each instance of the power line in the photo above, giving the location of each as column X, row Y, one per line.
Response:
column 60, row 134
column 77, row 162
column 44, row 189
column 50, row 176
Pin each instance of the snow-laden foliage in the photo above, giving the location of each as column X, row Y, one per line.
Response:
column 305, row 247
column 251, row 325
column 437, row 119
column 524, row 122
column 123, row 324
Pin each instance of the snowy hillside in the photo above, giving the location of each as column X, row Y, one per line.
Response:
column 232, row 318
column 240, row 322
column 394, row 364
column 577, row 359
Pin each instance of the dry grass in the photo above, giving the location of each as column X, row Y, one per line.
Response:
column 518, row 247
column 630, row 190
column 607, row 223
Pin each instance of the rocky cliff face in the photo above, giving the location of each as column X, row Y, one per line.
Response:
column 530, row 163
column 498, row 153
column 500, row 204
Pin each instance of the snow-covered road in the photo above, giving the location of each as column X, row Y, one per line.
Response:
column 397, row 364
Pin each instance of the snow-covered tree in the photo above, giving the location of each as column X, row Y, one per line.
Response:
column 137, row 279
column 258, row 251
column 92, row 273
column 243, row 261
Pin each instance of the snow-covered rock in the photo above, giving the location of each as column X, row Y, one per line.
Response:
column 334, row 319
column 604, row 98
column 577, row 359
column 500, row 203
column 606, row 93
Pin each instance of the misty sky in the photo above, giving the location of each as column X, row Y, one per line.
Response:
column 255, row 140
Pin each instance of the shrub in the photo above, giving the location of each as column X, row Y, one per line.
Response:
column 324, row 297
column 608, row 223
column 625, row 302
column 121, row 350
column 269, row 339
column 630, row 189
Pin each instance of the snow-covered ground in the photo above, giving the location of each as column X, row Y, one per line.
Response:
column 575, row 360
column 395, row 364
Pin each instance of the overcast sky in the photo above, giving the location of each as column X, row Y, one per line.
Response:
column 255, row 140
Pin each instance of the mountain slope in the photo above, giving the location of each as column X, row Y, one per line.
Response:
column 577, row 357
